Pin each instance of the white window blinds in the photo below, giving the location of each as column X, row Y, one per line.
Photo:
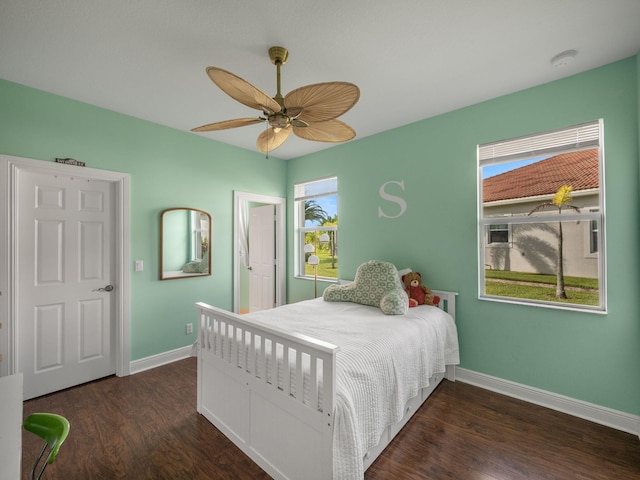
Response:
column 316, row 188
column 579, row 137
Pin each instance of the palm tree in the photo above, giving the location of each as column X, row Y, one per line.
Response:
column 314, row 212
column 332, row 222
column 560, row 200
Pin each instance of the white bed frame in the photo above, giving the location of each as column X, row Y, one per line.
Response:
column 283, row 434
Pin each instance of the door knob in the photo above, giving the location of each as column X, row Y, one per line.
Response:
column 108, row 288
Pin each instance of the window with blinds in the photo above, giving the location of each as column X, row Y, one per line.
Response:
column 316, row 225
column 541, row 219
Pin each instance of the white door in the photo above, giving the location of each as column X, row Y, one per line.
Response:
column 262, row 257
column 65, row 258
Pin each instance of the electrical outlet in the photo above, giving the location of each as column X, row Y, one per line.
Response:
column 189, row 328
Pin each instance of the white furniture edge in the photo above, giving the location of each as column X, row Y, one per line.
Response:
column 608, row 417
column 266, row 422
column 11, row 387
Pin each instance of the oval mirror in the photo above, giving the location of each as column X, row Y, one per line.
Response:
column 185, row 243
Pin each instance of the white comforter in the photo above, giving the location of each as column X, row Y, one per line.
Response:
column 384, row 360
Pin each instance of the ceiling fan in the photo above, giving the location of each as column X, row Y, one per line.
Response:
column 309, row 112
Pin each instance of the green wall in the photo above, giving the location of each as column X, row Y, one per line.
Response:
column 587, row 356
column 168, row 168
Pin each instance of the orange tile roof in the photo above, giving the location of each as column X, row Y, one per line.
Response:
column 576, row 169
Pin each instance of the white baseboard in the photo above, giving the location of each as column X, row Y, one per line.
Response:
column 622, row 421
column 625, row 422
column 154, row 361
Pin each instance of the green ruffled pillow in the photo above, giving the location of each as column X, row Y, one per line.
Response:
column 198, row 266
column 376, row 284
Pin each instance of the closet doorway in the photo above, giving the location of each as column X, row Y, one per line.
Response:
column 259, row 260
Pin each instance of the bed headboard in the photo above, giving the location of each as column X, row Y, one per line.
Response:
column 447, row 301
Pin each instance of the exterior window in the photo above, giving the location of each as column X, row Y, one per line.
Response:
column 316, row 224
column 593, row 237
column 541, row 200
column 200, row 229
column 498, row 233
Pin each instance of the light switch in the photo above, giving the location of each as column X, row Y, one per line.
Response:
column 139, row 266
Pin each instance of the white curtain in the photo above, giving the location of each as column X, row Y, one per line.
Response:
column 243, row 234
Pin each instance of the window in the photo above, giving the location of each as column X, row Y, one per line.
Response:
column 541, row 217
column 593, row 238
column 200, row 231
column 591, row 242
column 316, row 224
column 498, row 233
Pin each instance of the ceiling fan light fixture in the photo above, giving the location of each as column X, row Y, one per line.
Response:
column 279, row 120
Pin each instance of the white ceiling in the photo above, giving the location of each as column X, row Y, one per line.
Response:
column 412, row 59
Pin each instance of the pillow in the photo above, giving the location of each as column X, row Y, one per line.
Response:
column 376, row 284
column 203, row 267
column 198, row 266
column 401, row 273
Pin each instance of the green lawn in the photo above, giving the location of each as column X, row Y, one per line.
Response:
column 580, row 290
column 581, row 282
column 325, row 268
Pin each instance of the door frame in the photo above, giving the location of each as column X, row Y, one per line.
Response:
column 241, row 200
column 9, row 168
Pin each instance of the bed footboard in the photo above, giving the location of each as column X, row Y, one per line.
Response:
column 269, row 391
column 272, row 392
column 448, row 304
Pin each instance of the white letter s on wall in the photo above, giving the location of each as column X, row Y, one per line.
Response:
column 392, row 198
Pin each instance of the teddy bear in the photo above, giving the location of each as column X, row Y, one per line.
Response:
column 418, row 294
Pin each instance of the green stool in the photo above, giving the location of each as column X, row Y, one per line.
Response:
column 53, row 429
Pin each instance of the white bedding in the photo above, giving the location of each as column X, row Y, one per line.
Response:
column 383, row 361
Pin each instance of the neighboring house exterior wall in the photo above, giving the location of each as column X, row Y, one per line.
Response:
column 531, row 247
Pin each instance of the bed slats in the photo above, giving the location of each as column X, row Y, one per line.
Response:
column 298, row 366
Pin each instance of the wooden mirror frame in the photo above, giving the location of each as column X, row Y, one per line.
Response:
column 189, row 235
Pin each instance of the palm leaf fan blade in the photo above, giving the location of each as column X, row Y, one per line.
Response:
column 226, row 124
column 242, row 91
column 329, row 131
column 272, row 138
column 323, row 101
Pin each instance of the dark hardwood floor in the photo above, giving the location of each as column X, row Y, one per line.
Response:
column 146, row 427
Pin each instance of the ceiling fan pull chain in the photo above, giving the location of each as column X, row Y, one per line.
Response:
column 267, row 152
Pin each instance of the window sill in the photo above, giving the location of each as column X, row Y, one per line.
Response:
column 320, row 279
column 556, row 306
